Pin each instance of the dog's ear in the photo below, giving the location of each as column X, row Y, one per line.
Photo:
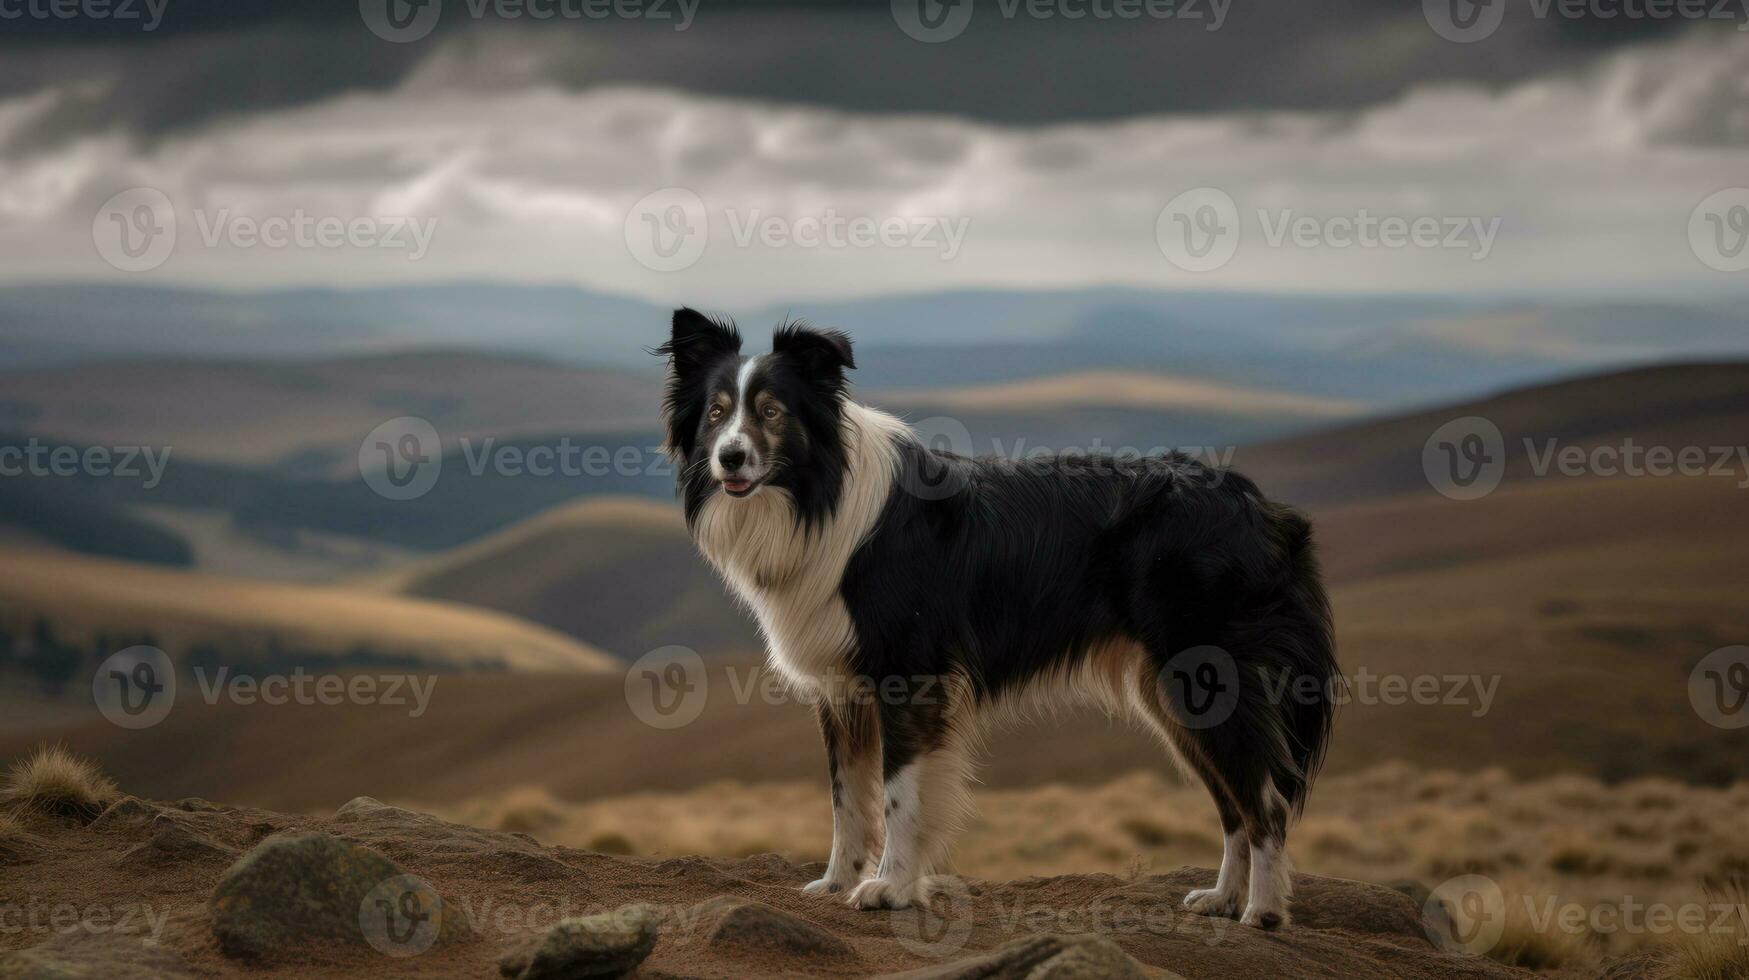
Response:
column 697, row 340
column 822, row 356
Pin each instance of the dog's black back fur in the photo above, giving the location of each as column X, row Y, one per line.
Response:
column 1008, row 569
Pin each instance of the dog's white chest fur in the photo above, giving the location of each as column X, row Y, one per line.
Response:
column 790, row 578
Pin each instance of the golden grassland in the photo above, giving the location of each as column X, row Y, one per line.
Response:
column 1553, row 845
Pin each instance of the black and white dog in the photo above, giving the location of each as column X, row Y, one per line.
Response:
column 911, row 595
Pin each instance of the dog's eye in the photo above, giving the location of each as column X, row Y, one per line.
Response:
column 716, row 413
column 771, row 413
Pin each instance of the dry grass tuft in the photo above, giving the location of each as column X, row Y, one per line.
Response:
column 1709, row 954
column 1540, row 945
column 55, row 781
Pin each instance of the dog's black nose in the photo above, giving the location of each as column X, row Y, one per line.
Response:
column 731, row 458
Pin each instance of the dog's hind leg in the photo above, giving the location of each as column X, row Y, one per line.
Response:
column 925, row 768
column 1222, row 721
column 1271, row 874
column 1228, row 894
column 852, row 735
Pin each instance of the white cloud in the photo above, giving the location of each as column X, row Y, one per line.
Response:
column 1592, row 177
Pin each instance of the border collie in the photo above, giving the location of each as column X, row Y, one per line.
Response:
column 912, row 595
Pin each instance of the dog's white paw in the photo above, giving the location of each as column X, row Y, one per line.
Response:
column 1210, row 901
column 885, row 893
column 1262, row 918
column 828, row 885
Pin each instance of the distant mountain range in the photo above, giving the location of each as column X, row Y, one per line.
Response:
column 1391, row 351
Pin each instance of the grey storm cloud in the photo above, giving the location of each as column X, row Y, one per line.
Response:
column 217, row 61
column 1576, row 178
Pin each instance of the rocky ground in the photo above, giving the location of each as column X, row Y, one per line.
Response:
column 147, row 889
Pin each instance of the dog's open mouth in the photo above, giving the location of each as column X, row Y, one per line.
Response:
column 738, row 487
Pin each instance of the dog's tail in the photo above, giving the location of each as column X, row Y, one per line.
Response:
column 1302, row 642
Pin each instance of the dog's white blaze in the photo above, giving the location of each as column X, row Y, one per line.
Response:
column 790, row 578
column 732, row 434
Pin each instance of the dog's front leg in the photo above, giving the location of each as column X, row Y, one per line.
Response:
column 925, row 773
column 852, row 737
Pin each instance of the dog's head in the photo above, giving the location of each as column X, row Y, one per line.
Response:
column 739, row 423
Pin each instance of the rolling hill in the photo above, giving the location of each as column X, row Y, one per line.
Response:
column 85, row 599
column 618, row 570
column 1673, row 405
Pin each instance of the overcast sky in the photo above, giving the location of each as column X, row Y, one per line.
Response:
column 749, row 152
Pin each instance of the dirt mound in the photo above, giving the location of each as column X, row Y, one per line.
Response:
column 711, row 917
